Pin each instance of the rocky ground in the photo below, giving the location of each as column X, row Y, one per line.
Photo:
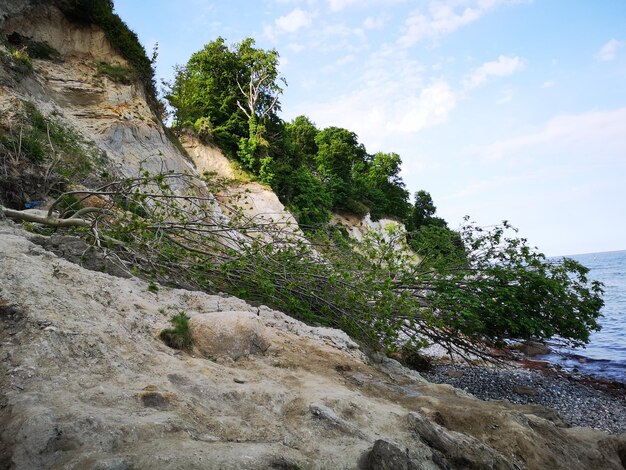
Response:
column 576, row 401
column 85, row 382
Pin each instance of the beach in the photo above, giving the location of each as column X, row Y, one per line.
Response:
column 579, row 400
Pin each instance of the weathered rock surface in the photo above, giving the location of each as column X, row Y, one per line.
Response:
column 86, row 383
column 115, row 116
column 229, row 334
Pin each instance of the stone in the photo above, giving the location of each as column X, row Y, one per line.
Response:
column 232, row 334
column 387, row 456
column 533, row 348
column 459, row 450
column 527, row 391
column 455, row 374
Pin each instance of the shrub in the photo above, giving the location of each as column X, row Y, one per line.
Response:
column 117, row 73
column 21, row 58
column 178, row 337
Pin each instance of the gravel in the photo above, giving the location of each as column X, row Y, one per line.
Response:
column 577, row 404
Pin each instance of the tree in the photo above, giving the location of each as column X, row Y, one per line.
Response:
column 422, row 212
column 375, row 290
column 338, row 152
column 386, row 190
column 258, row 80
column 234, row 92
column 300, row 143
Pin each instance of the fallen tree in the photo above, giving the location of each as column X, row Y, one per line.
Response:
column 492, row 288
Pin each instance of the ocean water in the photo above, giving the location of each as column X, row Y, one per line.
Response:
column 605, row 355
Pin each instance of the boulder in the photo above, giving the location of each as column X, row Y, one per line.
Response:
column 534, row 348
column 387, row 456
column 231, row 334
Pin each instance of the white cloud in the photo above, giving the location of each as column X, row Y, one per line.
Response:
column 289, row 23
column 502, row 67
column 294, row 21
column 388, row 103
column 548, row 84
column 444, row 17
column 430, row 108
column 338, row 5
column 609, row 50
column 375, row 22
column 597, row 134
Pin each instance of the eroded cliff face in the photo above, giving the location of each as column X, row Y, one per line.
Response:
column 257, row 203
column 115, row 116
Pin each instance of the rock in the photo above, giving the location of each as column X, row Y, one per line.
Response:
column 387, row 456
column 232, row 334
column 460, row 450
column 533, row 348
column 330, row 417
column 455, row 374
column 523, row 390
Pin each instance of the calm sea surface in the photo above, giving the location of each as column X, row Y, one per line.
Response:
column 605, row 355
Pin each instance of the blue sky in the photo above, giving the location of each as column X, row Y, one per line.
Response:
column 501, row 109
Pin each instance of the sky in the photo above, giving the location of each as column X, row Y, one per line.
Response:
column 501, row 109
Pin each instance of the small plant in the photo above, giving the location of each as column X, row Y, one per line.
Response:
column 152, row 287
column 178, row 337
column 117, row 73
column 20, row 56
column 42, row 50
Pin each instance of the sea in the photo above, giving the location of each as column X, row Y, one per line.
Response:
column 605, row 355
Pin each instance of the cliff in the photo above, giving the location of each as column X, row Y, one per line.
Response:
column 85, row 381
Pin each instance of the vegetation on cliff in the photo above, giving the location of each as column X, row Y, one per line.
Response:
column 493, row 288
column 231, row 95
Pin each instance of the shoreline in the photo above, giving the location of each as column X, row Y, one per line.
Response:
column 580, row 400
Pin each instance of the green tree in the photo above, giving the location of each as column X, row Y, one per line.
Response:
column 300, row 142
column 422, row 212
column 375, row 290
column 234, row 93
column 386, row 190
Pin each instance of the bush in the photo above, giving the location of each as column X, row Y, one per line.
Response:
column 178, row 337
column 117, row 73
column 21, row 58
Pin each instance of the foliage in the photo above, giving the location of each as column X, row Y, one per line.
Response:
column 230, row 95
column 378, row 291
column 21, row 57
column 505, row 289
column 308, row 199
column 178, row 337
column 39, row 155
column 117, row 73
column 42, row 50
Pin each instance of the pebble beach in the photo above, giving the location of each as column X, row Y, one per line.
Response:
column 579, row 401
